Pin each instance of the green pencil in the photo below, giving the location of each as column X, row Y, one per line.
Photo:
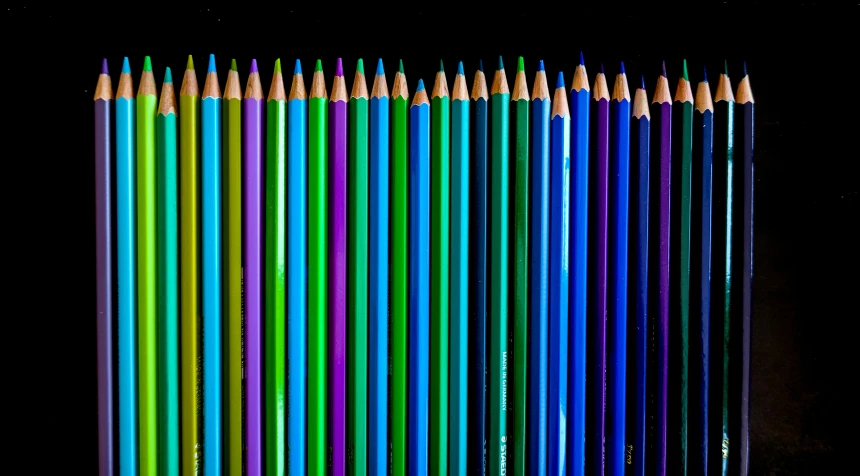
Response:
column 399, row 314
column 358, row 274
column 440, row 222
column 147, row 103
column 520, row 97
column 500, row 103
column 317, row 275
column 168, row 280
column 233, row 269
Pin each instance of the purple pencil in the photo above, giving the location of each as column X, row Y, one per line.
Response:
column 104, row 267
column 253, row 259
column 662, row 123
column 337, row 271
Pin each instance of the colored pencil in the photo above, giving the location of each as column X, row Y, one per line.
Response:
column 377, row 411
column 637, row 327
column 559, row 275
column 700, row 269
column 317, row 272
column 357, row 299
column 746, row 110
column 616, row 353
column 147, row 102
column 297, row 273
column 189, row 269
column 459, row 275
column 399, row 312
column 580, row 100
column 538, row 276
column 126, row 223
column 275, row 290
column 662, row 154
column 212, row 324
column 520, row 98
column 500, row 99
column 440, row 226
column 723, row 260
column 337, row 251
column 252, row 123
column 419, row 276
column 598, row 272
column 104, row 268
column 168, row 280
column 233, row 263
column 477, row 458
column 681, row 193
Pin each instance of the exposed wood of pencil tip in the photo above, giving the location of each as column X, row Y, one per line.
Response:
column 167, row 103
column 703, row 98
column 232, row 90
column 580, row 79
column 500, row 83
column 745, row 91
column 601, row 90
column 297, row 88
column 440, row 87
column 420, row 98
column 521, row 90
column 559, row 103
column 460, row 92
column 400, row 89
column 540, row 90
column 276, row 91
column 479, row 87
column 338, row 90
column 125, row 89
column 662, row 94
column 147, row 84
column 104, row 88
column 189, row 84
column 380, row 86
column 724, row 90
column 684, row 93
column 254, row 90
column 318, row 86
column 212, row 88
column 640, row 105
column 359, row 86
column 620, row 90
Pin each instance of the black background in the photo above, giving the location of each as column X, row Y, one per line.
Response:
column 806, row 175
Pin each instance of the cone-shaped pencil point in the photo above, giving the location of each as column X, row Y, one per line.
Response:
column 190, row 63
column 481, row 65
column 686, row 77
column 726, row 67
column 104, row 66
column 705, row 74
column 663, row 73
column 540, row 65
column 601, row 68
column 622, row 68
column 400, row 68
column 168, row 78
column 581, row 59
column 379, row 70
column 501, row 63
column 147, row 64
column 254, row 66
column 460, row 68
column 441, row 66
column 520, row 65
column 126, row 69
column 318, row 66
column 745, row 68
column 420, row 85
column 643, row 81
column 233, row 65
column 560, row 82
column 298, row 68
column 338, row 69
column 278, row 65
column 212, row 64
column 360, row 66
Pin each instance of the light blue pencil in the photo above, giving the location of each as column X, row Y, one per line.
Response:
column 297, row 271
column 126, row 225
column 211, row 186
column 377, row 425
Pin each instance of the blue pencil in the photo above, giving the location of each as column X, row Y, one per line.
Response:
column 477, row 460
column 459, row 305
column 297, row 271
column 211, row 185
column 419, row 280
column 126, row 225
column 539, row 275
column 580, row 99
column 619, row 189
column 637, row 357
column 559, row 276
column 377, row 425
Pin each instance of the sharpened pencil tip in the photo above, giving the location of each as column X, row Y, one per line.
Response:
column 420, row 85
column 501, row 63
column 601, row 68
column 481, row 65
column 745, row 69
column 663, row 72
column 360, row 66
column 233, row 65
column 278, row 65
column 441, row 66
column 581, row 59
column 147, row 64
column 560, row 82
column 126, row 69
column 190, row 63
column 379, row 70
column 520, row 65
column 254, row 66
column 168, row 78
column 726, row 67
column 686, row 76
column 622, row 68
column 338, row 69
column 104, row 66
column 540, row 65
column 705, row 74
column 318, row 66
column 212, row 64
column 460, row 68
column 298, row 68
column 643, row 81
column 400, row 68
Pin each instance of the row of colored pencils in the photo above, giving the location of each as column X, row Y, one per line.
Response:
column 303, row 284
